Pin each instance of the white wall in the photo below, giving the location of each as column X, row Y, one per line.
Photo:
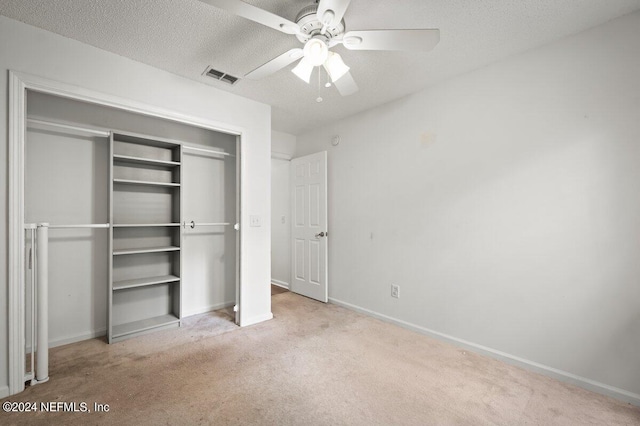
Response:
column 31, row 50
column 67, row 181
column 283, row 143
column 504, row 203
column 283, row 147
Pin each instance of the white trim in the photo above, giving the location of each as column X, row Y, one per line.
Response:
column 240, row 212
column 280, row 283
column 210, row 308
column 281, row 156
column 563, row 376
column 4, row 391
column 17, row 112
column 75, row 338
column 18, row 84
column 256, row 320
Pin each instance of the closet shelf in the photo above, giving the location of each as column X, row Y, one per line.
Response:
column 117, row 158
column 141, row 282
column 144, row 325
column 143, row 182
column 138, row 139
column 145, row 250
column 143, row 225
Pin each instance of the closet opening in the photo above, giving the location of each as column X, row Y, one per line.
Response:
column 142, row 215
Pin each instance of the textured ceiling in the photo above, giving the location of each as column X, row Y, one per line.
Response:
column 185, row 36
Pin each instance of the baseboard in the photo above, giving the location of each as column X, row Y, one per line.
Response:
column 256, row 319
column 73, row 339
column 280, row 283
column 563, row 376
column 4, row 391
column 205, row 309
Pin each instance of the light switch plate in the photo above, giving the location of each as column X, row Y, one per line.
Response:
column 255, row 221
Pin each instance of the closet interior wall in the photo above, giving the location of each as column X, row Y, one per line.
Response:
column 67, row 182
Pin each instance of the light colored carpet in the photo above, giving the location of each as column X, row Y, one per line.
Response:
column 313, row 364
column 277, row 290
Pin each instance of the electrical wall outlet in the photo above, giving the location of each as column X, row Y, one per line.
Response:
column 395, row 291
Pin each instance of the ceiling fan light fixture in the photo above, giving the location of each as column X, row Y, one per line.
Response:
column 335, row 66
column 316, row 51
column 303, row 70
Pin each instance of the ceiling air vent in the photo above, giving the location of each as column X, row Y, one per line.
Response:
column 220, row 76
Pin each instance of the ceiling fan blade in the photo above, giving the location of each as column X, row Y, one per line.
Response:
column 275, row 64
column 420, row 40
column 256, row 14
column 330, row 12
column 346, row 85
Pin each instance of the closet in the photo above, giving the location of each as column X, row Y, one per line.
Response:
column 163, row 199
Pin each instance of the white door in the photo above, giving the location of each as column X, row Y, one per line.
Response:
column 209, row 240
column 309, row 226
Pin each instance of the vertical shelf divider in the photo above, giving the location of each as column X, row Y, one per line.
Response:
column 110, row 252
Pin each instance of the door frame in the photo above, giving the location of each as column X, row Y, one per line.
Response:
column 19, row 83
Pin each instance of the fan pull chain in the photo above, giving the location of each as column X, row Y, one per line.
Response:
column 319, row 98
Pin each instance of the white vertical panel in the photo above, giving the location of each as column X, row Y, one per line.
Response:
column 299, row 259
column 314, row 205
column 300, row 170
column 298, row 204
column 314, row 168
column 314, row 262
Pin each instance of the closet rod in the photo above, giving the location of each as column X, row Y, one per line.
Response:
column 210, row 151
column 193, row 224
column 89, row 225
column 69, row 127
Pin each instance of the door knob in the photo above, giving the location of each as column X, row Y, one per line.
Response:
column 322, row 234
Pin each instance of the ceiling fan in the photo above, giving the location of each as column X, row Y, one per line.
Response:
column 320, row 27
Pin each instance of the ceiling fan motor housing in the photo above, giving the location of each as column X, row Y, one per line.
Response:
column 311, row 26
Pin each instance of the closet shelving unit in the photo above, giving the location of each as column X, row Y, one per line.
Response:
column 145, row 237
